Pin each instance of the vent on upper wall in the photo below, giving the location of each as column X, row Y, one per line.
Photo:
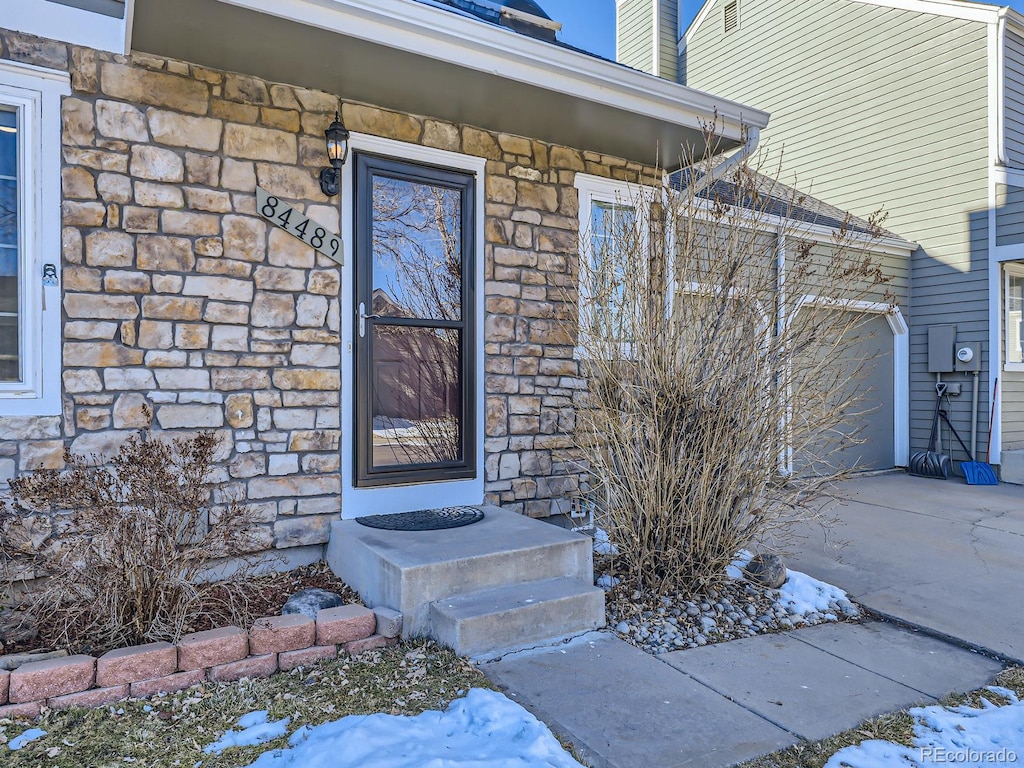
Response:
column 732, row 16
column 112, row 8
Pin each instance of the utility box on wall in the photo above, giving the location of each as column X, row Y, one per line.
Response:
column 941, row 340
column 967, row 357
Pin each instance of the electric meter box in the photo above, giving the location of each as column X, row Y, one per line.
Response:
column 967, row 357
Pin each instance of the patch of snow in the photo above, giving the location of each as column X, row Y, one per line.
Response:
column 25, row 737
column 606, row 582
column 255, row 730
column 602, row 545
column 735, row 569
column 483, row 729
column 802, row 594
column 956, row 736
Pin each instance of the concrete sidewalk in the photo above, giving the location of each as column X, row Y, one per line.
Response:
column 715, row 706
column 937, row 554
column 940, row 555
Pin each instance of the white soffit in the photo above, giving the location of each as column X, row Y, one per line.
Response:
column 411, row 56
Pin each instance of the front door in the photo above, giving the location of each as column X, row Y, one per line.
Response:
column 414, row 376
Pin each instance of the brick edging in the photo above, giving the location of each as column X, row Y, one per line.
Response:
column 272, row 644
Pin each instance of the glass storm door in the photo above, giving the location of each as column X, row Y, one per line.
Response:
column 414, row 418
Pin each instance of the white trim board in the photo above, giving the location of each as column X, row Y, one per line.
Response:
column 385, row 499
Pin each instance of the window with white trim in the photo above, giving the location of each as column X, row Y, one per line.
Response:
column 30, row 239
column 1013, row 308
column 613, row 226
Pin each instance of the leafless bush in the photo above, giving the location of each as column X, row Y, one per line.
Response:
column 719, row 392
column 123, row 547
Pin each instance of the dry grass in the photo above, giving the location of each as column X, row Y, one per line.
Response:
column 404, row 680
column 718, row 396
column 897, row 727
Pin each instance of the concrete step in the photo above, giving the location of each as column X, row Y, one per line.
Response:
column 409, row 570
column 516, row 616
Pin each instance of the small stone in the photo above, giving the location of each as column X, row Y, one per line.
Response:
column 766, row 570
column 309, row 601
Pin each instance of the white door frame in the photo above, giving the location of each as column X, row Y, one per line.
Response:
column 900, row 363
column 356, row 502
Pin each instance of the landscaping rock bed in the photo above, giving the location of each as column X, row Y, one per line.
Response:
column 737, row 609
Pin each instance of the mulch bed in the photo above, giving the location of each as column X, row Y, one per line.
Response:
column 263, row 595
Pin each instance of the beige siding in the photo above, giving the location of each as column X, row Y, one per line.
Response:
column 1013, row 85
column 876, row 107
column 635, row 35
column 1012, row 383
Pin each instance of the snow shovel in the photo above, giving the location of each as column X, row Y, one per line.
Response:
column 981, row 472
column 975, row 472
column 931, row 463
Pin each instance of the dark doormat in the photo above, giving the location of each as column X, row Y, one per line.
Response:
column 424, row 519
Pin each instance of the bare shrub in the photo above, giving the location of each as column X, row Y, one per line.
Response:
column 123, row 548
column 720, row 395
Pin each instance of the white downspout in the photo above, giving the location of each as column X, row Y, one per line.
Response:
column 716, row 173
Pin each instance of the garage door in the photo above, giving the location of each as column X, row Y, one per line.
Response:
column 865, row 437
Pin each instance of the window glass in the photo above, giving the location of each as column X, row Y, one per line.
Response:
column 613, row 238
column 1014, row 313
column 417, row 254
column 10, row 358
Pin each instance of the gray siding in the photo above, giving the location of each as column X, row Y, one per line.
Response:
column 1012, row 384
column 1009, row 215
column 635, row 34
column 1013, row 89
column 876, row 107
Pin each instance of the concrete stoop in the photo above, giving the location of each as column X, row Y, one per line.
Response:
column 503, row 583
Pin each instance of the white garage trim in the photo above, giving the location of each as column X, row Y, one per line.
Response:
column 900, row 362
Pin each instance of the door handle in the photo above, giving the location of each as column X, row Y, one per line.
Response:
column 363, row 317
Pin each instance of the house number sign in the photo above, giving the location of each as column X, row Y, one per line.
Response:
column 280, row 214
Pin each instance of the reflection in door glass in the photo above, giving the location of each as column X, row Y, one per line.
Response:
column 416, row 396
column 417, row 261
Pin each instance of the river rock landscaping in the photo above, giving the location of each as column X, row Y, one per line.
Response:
column 737, row 609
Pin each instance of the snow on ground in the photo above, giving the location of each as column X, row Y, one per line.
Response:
column 483, row 729
column 963, row 737
column 602, row 545
column 255, row 730
column 803, row 594
column 25, row 737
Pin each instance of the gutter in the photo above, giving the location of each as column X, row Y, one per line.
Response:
column 750, row 145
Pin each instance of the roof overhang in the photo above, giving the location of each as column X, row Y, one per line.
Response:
column 413, row 57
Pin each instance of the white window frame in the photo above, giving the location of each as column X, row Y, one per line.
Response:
column 598, row 189
column 1014, row 270
column 36, row 95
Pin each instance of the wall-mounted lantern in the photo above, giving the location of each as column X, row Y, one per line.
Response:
column 337, row 153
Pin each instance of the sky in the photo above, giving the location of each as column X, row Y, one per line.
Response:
column 590, row 24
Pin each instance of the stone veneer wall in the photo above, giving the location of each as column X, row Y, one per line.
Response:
column 179, row 299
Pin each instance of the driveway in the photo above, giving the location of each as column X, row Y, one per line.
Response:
column 939, row 554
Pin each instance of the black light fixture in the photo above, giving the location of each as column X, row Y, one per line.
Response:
column 337, row 153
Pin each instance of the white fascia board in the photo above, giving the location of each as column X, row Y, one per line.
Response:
column 66, row 24
column 699, row 19
column 955, row 9
column 422, row 29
